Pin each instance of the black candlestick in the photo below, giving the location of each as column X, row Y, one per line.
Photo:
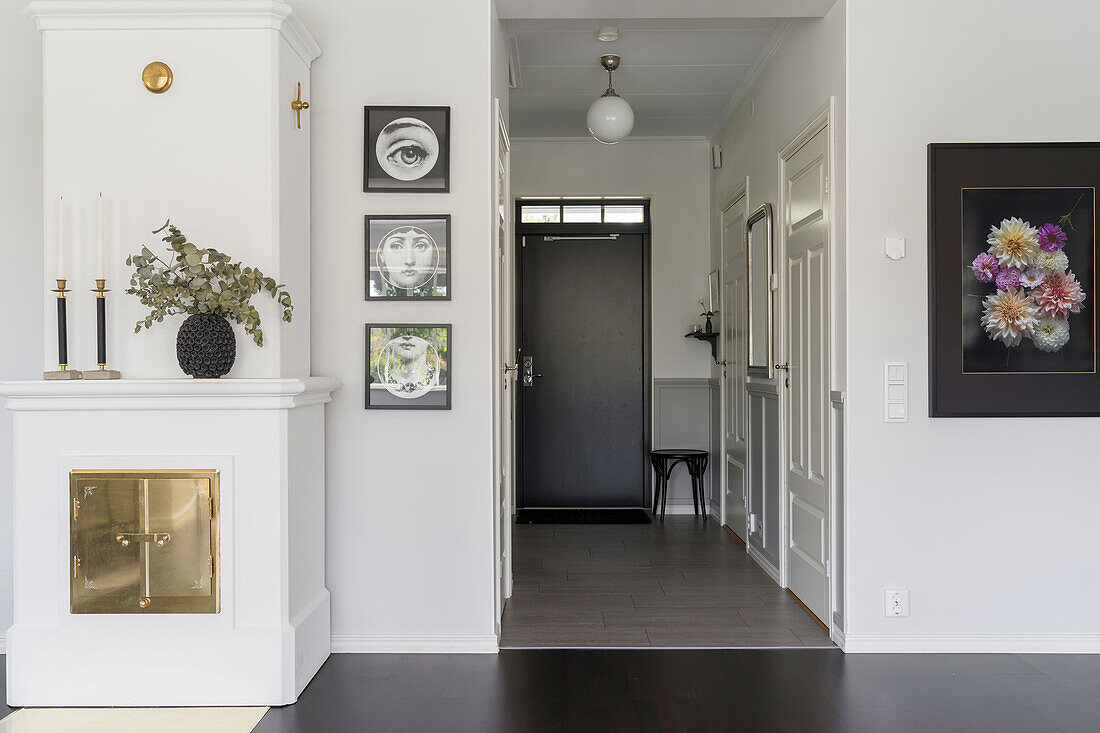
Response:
column 101, row 334
column 63, row 371
column 101, row 329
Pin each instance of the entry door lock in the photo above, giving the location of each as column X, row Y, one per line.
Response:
column 528, row 370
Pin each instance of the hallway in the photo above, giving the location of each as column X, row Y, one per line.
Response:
column 680, row 584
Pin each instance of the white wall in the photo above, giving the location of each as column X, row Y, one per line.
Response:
column 410, row 532
column 21, row 327
column 998, row 554
column 674, row 174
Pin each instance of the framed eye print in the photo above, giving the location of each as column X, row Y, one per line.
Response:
column 408, row 257
column 1012, row 280
column 408, row 366
column 406, row 149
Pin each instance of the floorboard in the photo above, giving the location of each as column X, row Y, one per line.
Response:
column 759, row 690
column 682, row 583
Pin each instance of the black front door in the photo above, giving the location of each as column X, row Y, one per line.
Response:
column 582, row 338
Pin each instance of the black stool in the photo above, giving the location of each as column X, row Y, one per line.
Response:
column 664, row 460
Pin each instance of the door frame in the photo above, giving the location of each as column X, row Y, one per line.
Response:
column 740, row 192
column 503, row 313
column 825, row 118
column 588, row 229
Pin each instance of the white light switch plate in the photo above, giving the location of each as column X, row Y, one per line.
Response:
column 895, row 382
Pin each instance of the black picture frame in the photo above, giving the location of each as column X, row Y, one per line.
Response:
column 434, row 125
column 971, row 186
column 381, row 283
column 380, row 397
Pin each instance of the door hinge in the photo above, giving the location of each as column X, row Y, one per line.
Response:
column 828, row 569
column 826, row 185
column 211, row 507
column 76, row 508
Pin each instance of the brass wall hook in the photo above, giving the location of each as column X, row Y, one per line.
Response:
column 298, row 105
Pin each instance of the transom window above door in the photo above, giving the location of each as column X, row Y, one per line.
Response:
column 595, row 211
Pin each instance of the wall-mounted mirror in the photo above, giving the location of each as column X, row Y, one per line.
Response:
column 758, row 245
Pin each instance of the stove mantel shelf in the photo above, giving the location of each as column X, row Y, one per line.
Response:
column 168, row 394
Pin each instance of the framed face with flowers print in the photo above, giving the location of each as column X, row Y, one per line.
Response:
column 1012, row 280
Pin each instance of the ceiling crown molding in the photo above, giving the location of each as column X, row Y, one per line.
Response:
column 51, row 15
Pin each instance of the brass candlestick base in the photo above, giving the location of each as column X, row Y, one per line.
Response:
column 103, row 372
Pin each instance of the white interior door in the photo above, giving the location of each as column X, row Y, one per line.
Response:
column 733, row 319
column 805, row 225
column 505, row 351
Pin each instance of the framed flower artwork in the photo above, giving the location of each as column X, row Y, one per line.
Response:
column 1012, row 279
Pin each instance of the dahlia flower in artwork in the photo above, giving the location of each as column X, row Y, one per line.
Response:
column 1035, row 290
column 985, row 267
column 1051, row 334
column 1051, row 238
column 1052, row 261
column 1032, row 277
column 1008, row 277
column 1009, row 315
column 1059, row 295
column 1014, row 242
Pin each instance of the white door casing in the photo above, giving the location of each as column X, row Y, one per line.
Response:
column 804, row 225
column 504, row 356
column 733, row 276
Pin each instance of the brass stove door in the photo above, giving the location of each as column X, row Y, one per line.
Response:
column 144, row 542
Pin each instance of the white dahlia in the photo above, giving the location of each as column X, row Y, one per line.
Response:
column 1014, row 242
column 1051, row 334
column 1050, row 262
column 1009, row 316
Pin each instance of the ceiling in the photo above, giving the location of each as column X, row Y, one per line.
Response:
column 684, row 62
column 680, row 75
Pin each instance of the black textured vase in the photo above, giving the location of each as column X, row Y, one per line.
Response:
column 206, row 346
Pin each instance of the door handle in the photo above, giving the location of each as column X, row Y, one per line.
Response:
column 529, row 376
column 786, row 366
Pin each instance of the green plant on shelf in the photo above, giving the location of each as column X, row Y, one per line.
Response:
column 200, row 281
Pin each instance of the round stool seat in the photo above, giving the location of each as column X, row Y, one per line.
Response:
column 664, row 460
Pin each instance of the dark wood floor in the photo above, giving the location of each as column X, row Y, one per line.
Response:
column 682, row 583
column 524, row 691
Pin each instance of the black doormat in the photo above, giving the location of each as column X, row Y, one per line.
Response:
column 582, row 516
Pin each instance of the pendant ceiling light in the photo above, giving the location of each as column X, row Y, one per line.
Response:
column 610, row 118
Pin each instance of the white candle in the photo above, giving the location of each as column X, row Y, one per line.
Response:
column 61, row 239
column 99, row 243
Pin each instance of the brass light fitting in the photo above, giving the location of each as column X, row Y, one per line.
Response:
column 157, row 77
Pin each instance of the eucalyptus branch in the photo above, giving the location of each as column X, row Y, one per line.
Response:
column 200, row 281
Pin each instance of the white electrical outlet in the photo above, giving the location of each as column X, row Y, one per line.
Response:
column 897, row 603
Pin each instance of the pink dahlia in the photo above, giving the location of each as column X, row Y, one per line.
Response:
column 1059, row 295
column 1008, row 277
column 1051, row 238
column 985, row 267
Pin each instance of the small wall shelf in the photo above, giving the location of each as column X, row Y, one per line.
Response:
column 712, row 338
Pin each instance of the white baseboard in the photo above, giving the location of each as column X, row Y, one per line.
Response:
column 684, row 508
column 763, row 562
column 387, row 644
column 839, row 638
column 972, row 643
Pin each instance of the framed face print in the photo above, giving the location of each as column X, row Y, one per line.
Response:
column 408, row 366
column 406, row 149
column 1012, row 275
column 408, row 257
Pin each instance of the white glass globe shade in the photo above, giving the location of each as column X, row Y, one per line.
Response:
column 610, row 119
